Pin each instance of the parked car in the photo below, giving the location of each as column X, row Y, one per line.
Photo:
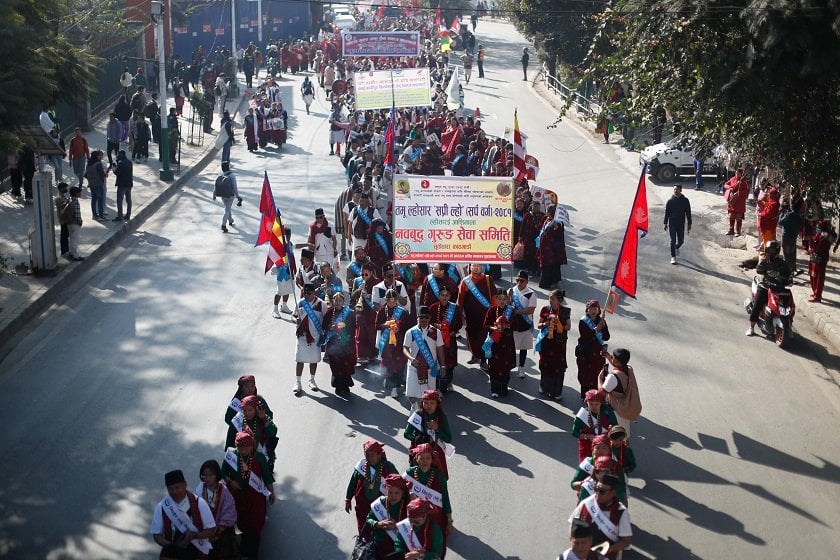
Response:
column 345, row 22
column 669, row 160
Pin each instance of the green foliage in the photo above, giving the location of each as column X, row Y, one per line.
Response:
column 759, row 76
column 103, row 20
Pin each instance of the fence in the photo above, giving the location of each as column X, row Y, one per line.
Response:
column 582, row 103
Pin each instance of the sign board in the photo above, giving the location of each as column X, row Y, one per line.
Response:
column 453, row 219
column 409, row 87
column 380, row 43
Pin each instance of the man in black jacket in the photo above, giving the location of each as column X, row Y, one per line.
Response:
column 677, row 214
column 124, row 173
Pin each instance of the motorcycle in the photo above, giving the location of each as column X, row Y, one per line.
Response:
column 776, row 319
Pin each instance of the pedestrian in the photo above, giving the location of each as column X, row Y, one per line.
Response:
column 580, row 539
column 791, row 220
column 182, row 522
column 141, row 135
column 78, row 153
column 179, row 91
column 429, row 424
column 499, row 346
column 474, row 295
column 75, row 226
column 64, row 208
column 113, row 134
column 122, row 111
column 467, row 61
column 619, row 382
column 246, row 386
column 736, row 193
column 250, row 480
column 310, row 314
column 698, row 172
column 221, row 91
column 820, row 245
column 592, row 420
column 307, row 91
column 340, row 344
column 554, row 325
column 225, row 188
column 174, row 132
column 124, row 181
column 367, row 483
column 226, row 130
column 138, row 100
column 253, row 126
column 386, row 511
column 152, row 112
column 214, row 491
column 480, row 60
column 447, row 318
column 524, row 302
column 768, row 217
column 423, row 348
column 677, row 217
column 284, row 274
column 96, row 174
column 392, row 323
column 15, row 175
column 593, row 338
column 609, row 519
column 524, row 61
column 57, row 160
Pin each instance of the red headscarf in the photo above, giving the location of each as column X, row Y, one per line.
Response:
column 373, row 445
column 593, row 395
column 603, row 439
column 420, row 506
column 244, row 438
column 431, row 395
column 251, row 400
column 396, row 481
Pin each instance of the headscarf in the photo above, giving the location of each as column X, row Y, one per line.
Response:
column 396, row 481
column 593, row 395
column 373, row 445
column 431, row 394
column 251, row 400
column 603, row 439
column 420, row 506
column 423, row 448
column 603, row 462
column 244, row 438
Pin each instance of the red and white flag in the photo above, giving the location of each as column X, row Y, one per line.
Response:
column 519, row 169
column 456, row 25
column 271, row 229
column 624, row 277
column 532, row 167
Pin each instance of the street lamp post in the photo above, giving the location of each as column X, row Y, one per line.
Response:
column 157, row 16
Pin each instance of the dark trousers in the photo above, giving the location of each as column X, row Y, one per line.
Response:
column 480, row 68
column 677, row 232
column 112, row 147
column 789, row 252
column 64, row 239
column 759, row 303
column 17, row 181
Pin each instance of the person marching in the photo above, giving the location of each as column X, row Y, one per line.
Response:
column 354, row 268
column 420, row 537
column 284, row 274
column 586, row 487
column 340, row 344
column 214, row 491
column 254, row 420
column 361, row 218
column 251, row 482
column 618, row 380
column 586, row 468
column 554, row 325
column 423, row 348
column 594, row 335
column 474, row 298
column 580, row 539
column 366, row 313
column 380, row 245
column 321, row 240
column 246, row 386
column 592, row 420
column 307, row 92
column 367, row 483
column 385, row 512
column 608, row 516
column 391, row 322
column 447, row 318
column 524, row 302
column 499, row 346
column 429, row 424
column 426, row 480
column 310, row 313
column 624, row 459
column 182, row 522
column 430, row 288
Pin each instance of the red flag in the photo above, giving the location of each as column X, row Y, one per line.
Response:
column 437, row 16
column 381, row 11
column 390, row 140
column 624, row 277
column 532, row 165
column 456, row 25
column 519, row 168
column 271, row 229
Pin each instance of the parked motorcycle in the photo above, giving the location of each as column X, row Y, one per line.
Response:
column 776, row 319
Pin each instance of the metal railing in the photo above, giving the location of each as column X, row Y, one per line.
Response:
column 584, row 105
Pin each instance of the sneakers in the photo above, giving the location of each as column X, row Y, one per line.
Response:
column 224, row 229
column 285, row 308
column 750, row 331
column 494, row 396
column 296, row 388
column 521, row 372
column 730, row 232
column 276, row 313
column 312, row 385
column 673, row 260
column 394, row 393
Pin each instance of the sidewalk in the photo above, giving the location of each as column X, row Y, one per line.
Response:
column 709, row 210
column 24, row 296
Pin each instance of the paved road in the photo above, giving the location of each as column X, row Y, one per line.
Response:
column 130, row 375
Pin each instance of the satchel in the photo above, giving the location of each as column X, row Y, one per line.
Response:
column 363, row 549
column 518, row 251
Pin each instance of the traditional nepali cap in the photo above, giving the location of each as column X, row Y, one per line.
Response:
column 244, row 438
column 593, row 303
column 423, row 311
column 430, row 394
column 387, row 267
column 523, row 274
column 581, row 529
column 603, row 462
column 319, row 212
column 373, row 445
column 423, row 448
column 250, row 400
column 603, row 439
column 365, row 195
column 610, row 480
column 618, row 430
column 419, row 506
column 396, row 481
column 308, row 288
column 174, row 477
column 592, row 395
column 307, row 254
column 243, row 379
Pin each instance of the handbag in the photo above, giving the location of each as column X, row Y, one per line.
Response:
column 363, row 549
column 518, row 251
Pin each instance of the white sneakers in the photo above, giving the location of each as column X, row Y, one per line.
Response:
column 296, row 388
column 285, row 308
column 394, row 393
column 312, row 385
column 673, row 260
column 750, row 331
column 275, row 313
column 521, row 372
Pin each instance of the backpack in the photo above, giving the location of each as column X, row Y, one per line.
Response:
column 65, row 215
column 223, row 187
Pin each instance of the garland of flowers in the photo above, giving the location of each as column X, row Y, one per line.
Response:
column 415, row 475
column 245, row 467
column 373, row 483
column 255, row 431
column 592, row 426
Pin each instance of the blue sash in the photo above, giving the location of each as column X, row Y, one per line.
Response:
column 450, row 313
column 310, row 313
column 423, row 347
column 386, row 332
column 540, row 337
column 476, row 293
column 381, row 241
column 283, row 273
column 588, row 322
column 357, row 283
column 488, row 342
column 542, row 230
column 517, row 216
column 345, row 311
column 518, row 305
column 355, row 269
column 453, row 272
column 433, row 284
column 363, row 215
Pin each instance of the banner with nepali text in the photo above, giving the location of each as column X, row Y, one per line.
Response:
column 404, row 87
column 453, row 219
column 380, row 43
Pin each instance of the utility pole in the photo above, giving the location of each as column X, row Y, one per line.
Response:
column 157, row 16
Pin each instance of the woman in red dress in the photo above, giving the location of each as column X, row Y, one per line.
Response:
column 503, row 351
column 594, row 333
column 554, row 325
column 392, row 321
column 380, row 246
column 446, row 317
column 340, row 330
column 365, row 313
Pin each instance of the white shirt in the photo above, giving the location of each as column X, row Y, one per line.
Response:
column 46, row 122
column 624, row 528
column 379, row 290
column 610, row 382
column 207, row 520
column 527, row 299
column 414, row 349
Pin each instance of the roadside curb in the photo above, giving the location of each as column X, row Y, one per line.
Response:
column 70, row 275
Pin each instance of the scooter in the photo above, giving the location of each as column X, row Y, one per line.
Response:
column 776, row 319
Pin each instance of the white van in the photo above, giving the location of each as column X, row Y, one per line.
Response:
column 669, row 160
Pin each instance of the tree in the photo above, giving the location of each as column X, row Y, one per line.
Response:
column 40, row 66
column 761, row 77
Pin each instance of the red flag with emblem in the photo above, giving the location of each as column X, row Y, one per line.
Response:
column 271, row 229
column 624, row 277
column 519, row 168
